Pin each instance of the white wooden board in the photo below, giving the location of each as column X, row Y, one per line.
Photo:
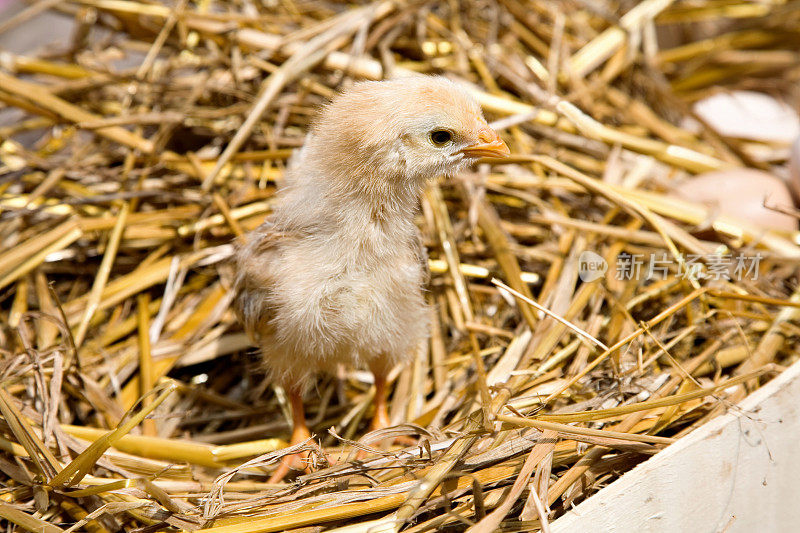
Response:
column 738, row 473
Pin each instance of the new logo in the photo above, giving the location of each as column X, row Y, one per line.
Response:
column 591, row 266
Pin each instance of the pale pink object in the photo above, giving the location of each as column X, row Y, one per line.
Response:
column 750, row 115
column 794, row 170
column 741, row 193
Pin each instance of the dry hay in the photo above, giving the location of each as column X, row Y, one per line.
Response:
column 124, row 182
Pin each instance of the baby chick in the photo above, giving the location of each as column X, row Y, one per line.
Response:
column 335, row 274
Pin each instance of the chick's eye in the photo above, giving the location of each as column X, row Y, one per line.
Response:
column 441, row 137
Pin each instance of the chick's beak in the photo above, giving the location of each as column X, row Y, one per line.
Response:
column 489, row 145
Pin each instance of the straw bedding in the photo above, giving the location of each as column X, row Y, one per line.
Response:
column 133, row 156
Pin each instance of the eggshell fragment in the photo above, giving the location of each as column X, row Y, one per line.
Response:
column 740, row 193
column 749, row 115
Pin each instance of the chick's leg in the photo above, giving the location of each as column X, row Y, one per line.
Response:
column 300, row 433
column 380, row 419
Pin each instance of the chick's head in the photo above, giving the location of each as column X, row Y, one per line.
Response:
column 412, row 128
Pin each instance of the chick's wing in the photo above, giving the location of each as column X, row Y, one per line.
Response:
column 253, row 282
